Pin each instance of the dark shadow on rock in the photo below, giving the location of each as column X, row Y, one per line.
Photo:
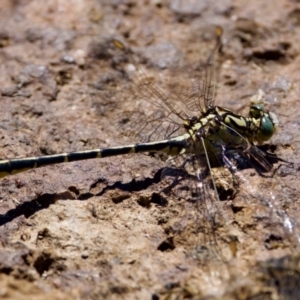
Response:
column 28, row 209
column 43, row 201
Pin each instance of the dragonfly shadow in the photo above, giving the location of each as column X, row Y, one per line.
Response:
column 43, row 201
column 131, row 187
column 28, row 209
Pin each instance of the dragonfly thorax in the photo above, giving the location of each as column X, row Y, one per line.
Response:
column 258, row 127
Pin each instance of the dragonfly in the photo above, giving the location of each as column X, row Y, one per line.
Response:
column 209, row 130
column 196, row 134
column 216, row 130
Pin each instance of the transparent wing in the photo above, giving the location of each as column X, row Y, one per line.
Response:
column 158, row 105
column 197, row 93
column 191, row 179
column 162, row 107
column 201, row 91
column 154, row 113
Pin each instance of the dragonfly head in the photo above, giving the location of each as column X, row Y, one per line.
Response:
column 267, row 122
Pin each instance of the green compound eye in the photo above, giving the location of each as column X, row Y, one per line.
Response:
column 268, row 125
column 267, row 128
column 267, row 122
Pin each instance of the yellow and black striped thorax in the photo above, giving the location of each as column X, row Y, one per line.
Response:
column 219, row 124
column 258, row 127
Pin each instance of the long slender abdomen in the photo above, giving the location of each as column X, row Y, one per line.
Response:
column 17, row 165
